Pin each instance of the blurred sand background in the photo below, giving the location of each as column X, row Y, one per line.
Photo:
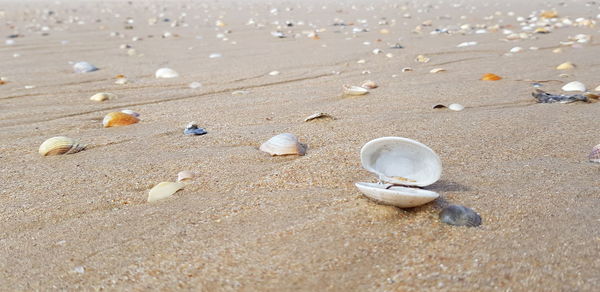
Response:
column 253, row 222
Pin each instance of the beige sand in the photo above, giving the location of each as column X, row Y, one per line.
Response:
column 252, row 222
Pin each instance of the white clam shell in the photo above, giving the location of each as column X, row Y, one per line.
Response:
column 456, row 107
column 84, row 67
column 166, row 73
column 574, row 86
column 398, row 196
column 185, row 175
column 402, row 161
column 283, row 144
column 164, row 190
column 102, row 96
column 355, row 90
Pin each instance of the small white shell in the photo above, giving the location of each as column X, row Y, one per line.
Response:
column 319, row 116
column 355, row 90
column 130, row 112
column 60, row 145
column 185, row 175
column 398, row 196
column 574, row 86
column 164, row 190
column 597, row 88
column 274, row 73
column 437, row 70
column 595, row 154
column 516, row 49
column 565, row 66
column 102, row 96
column 456, row 107
column 369, row 84
column 84, row 67
column 166, row 73
column 283, row 144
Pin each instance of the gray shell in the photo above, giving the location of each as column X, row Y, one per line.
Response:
column 460, row 216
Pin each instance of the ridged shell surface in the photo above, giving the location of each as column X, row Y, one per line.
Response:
column 60, row 145
column 402, row 161
column 283, row 144
column 116, row 119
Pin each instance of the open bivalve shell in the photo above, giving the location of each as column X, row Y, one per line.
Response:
column 402, row 163
column 283, row 144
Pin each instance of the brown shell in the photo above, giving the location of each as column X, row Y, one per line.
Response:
column 60, row 145
column 117, row 119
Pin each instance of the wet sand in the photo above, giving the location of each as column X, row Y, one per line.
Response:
column 253, row 222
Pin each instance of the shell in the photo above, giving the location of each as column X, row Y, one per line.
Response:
column 597, row 88
column 192, row 130
column 166, row 73
column 402, row 161
column 354, row 90
column 490, row 77
column 319, row 116
column 283, row 144
column 274, row 73
column 369, row 84
column 185, row 175
column 437, row 70
column 456, row 107
column 116, row 119
column 403, row 197
column 516, row 49
column 407, row 69
column 60, row 145
column 84, row 67
column 574, row 86
column 565, row 66
column 460, row 216
column 422, row 59
column 439, row 106
column 595, row 154
column 164, row 190
column 130, row 112
column 102, row 96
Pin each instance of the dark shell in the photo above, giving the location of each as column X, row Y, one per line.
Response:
column 194, row 130
column 545, row 97
column 460, row 216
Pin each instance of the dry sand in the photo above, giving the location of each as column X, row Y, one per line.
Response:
column 253, row 222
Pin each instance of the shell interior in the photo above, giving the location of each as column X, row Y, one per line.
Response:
column 403, row 197
column 403, row 161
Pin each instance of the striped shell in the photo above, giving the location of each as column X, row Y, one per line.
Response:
column 595, row 154
column 116, row 119
column 60, row 145
column 283, row 144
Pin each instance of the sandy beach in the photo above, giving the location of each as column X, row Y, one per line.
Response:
column 254, row 222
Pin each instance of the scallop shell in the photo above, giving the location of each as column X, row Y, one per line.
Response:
column 565, row 66
column 164, row 190
column 460, row 216
column 574, row 86
column 166, row 73
column 401, row 161
column 490, row 77
column 354, row 90
column 116, row 119
column 456, row 107
column 369, row 84
column 283, row 144
column 595, row 154
column 398, row 196
column 185, row 175
column 60, row 145
column 102, row 96
column 84, row 67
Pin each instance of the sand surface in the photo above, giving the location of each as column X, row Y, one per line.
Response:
column 252, row 222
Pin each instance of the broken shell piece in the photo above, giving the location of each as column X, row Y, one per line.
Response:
column 102, row 96
column 283, row 144
column 574, row 86
column 456, row 107
column 117, row 119
column 437, row 70
column 164, row 190
column 60, row 145
column 354, row 90
column 185, row 175
column 460, row 216
column 130, row 112
column 565, row 66
column 595, row 154
column 422, row 59
column 439, row 106
column 319, row 116
column 84, row 67
column 369, row 84
column 403, row 197
column 490, row 77
column 545, row 97
column 407, row 69
column 166, row 73
column 192, row 130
